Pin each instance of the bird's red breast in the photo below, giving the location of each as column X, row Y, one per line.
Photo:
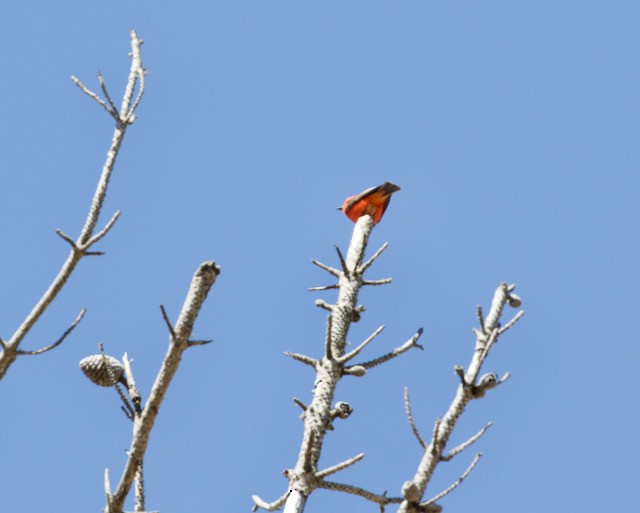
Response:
column 373, row 201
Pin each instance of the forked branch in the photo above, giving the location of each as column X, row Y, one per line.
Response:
column 145, row 417
column 470, row 387
column 80, row 247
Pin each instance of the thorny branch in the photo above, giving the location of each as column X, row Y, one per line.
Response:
column 87, row 237
column 470, row 388
column 318, row 416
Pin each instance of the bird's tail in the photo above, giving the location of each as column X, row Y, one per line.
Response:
column 389, row 187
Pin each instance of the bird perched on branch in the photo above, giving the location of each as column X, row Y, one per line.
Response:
column 373, row 201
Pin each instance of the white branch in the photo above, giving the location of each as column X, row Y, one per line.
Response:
column 79, row 247
column 467, row 391
column 201, row 283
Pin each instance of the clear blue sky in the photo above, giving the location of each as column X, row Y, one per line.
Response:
column 512, row 128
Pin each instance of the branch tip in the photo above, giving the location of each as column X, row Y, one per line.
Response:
column 302, row 358
column 331, row 270
column 343, row 263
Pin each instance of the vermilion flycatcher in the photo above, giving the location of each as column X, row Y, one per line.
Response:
column 373, row 201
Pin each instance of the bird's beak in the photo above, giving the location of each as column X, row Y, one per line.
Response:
column 338, row 208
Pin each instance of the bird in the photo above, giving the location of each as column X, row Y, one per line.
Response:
column 372, row 201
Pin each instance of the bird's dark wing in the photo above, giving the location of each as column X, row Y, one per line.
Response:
column 363, row 194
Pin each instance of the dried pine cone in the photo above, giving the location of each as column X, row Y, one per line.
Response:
column 103, row 370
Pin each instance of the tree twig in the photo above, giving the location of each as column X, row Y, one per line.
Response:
column 458, row 449
column 57, row 342
column 368, row 263
column 340, row 466
column 412, row 342
column 414, row 428
column 361, row 492
column 356, row 351
column 456, row 483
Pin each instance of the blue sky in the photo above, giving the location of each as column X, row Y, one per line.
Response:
column 512, row 128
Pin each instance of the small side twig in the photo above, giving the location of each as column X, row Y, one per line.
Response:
column 103, row 86
column 458, row 449
column 320, row 303
column 412, row 342
column 343, row 264
column 322, row 287
column 107, row 490
column 134, row 393
column 331, row 270
column 328, row 351
column 454, row 485
column 94, row 96
column 302, row 358
column 105, row 230
column 384, row 281
column 512, row 322
column 191, row 343
column 269, row 506
column 356, row 351
column 414, row 428
column 300, row 404
column 480, row 316
column 57, row 342
column 368, row 263
column 340, row 466
column 168, row 322
column 361, row 492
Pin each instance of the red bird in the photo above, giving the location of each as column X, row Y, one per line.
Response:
column 373, row 201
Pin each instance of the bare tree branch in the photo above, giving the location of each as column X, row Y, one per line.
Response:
column 470, row 388
column 201, row 283
column 81, row 246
